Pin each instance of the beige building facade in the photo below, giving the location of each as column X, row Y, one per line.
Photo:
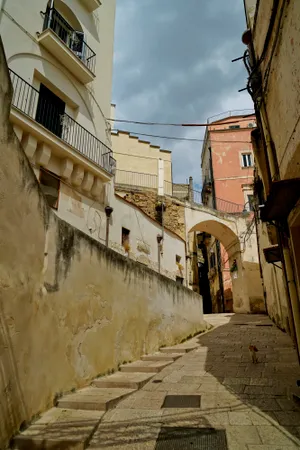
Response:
column 272, row 60
column 141, row 164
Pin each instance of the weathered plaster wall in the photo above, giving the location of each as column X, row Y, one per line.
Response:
column 88, row 215
column 273, row 282
column 282, row 94
column 69, row 308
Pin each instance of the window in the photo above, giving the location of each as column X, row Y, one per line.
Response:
column 125, row 237
column 234, row 127
column 50, row 184
column 50, row 110
column 251, row 202
column 247, row 160
column 178, row 259
column 179, row 280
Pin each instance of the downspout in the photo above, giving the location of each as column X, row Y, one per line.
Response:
column 108, row 212
column 218, row 247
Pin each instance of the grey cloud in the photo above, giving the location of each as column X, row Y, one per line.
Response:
column 173, row 64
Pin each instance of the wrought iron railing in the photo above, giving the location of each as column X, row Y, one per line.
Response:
column 221, row 205
column 29, row 101
column 225, row 115
column 126, row 178
column 73, row 39
column 136, row 179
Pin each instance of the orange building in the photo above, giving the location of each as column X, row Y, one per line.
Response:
column 227, row 164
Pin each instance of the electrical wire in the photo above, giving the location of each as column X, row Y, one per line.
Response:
column 136, row 122
column 184, row 139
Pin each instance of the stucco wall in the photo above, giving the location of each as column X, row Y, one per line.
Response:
column 87, row 104
column 282, row 93
column 138, row 156
column 69, row 308
column 88, row 215
column 227, row 147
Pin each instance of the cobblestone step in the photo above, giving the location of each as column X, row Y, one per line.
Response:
column 145, row 366
column 180, row 348
column 162, row 357
column 94, row 399
column 59, row 429
column 129, row 380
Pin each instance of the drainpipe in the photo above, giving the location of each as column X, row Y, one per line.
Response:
column 159, row 239
column 50, row 13
column 108, row 211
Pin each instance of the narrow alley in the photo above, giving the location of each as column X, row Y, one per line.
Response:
column 242, row 406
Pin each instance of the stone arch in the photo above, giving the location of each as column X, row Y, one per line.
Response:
column 230, row 240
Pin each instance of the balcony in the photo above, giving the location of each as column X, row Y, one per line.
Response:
column 39, row 116
column 136, row 181
column 91, row 5
column 68, row 46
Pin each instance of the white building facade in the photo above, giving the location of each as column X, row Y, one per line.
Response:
column 60, row 57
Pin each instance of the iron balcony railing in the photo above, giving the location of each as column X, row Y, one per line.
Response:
column 221, row 205
column 73, row 39
column 29, row 101
column 126, row 178
column 136, row 179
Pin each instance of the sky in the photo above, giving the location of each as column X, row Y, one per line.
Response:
column 172, row 63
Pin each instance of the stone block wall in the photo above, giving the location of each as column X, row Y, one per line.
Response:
column 173, row 216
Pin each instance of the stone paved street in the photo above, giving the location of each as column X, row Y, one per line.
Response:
column 251, row 405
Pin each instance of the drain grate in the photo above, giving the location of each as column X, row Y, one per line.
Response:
column 157, row 381
column 191, row 439
column 182, row 401
column 263, row 325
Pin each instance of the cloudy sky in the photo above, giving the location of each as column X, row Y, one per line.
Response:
column 173, row 64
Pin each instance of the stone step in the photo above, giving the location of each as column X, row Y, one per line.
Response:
column 145, row 366
column 94, row 399
column 129, row 380
column 181, row 348
column 59, row 429
column 162, row 357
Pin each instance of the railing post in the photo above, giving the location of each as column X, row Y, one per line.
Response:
column 191, row 190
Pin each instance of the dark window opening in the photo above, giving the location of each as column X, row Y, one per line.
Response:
column 125, row 237
column 50, row 111
column 178, row 259
column 212, row 260
column 234, row 127
column 50, row 185
column 251, row 202
column 179, row 280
